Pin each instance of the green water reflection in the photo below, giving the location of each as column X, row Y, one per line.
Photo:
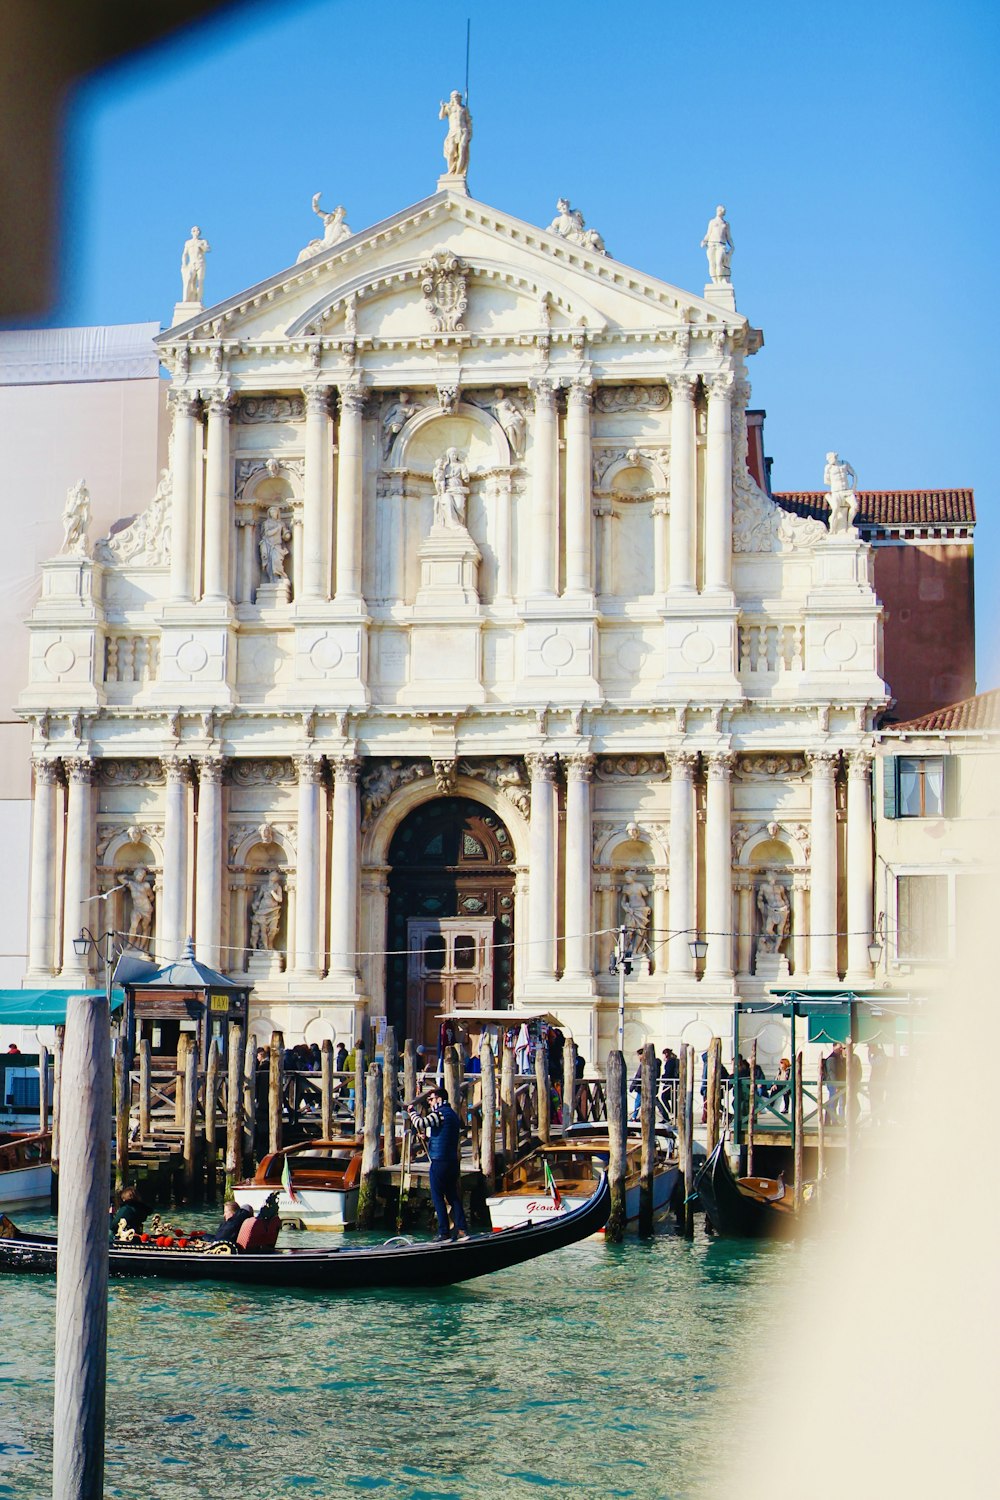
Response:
column 601, row 1370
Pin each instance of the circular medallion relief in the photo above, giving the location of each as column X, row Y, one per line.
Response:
column 770, row 1040
column 631, row 653
column 191, row 658
column 840, row 645
column 557, row 652
column 326, row 654
column 60, row 658
column 697, row 649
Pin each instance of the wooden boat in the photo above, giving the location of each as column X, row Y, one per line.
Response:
column 574, row 1164
column 324, row 1176
column 25, row 1168
column 744, row 1206
column 397, row 1263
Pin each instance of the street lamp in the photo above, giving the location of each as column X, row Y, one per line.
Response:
column 878, row 941
column 621, row 964
column 699, row 947
column 104, row 947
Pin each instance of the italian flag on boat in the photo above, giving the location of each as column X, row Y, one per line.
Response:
column 550, row 1186
column 286, row 1180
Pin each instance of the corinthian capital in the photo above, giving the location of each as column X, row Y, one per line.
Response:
column 823, row 764
column 579, row 767
column 309, row 768
column 541, row 765
column 79, row 769
column 177, row 770
column 682, row 764
column 544, row 392
column 346, row 769
column 317, row 399
column 682, row 387
column 580, row 393
column 722, row 386
column 219, row 404
column 184, row 403
column 859, row 765
column 720, row 765
column 46, row 772
column 353, row 398
column 210, row 770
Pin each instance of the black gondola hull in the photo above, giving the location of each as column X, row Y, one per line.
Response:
column 425, row 1264
column 731, row 1213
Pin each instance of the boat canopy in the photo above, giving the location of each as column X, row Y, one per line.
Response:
column 503, row 1017
column 43, row 1007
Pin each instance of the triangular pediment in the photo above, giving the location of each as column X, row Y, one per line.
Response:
column 517, row 278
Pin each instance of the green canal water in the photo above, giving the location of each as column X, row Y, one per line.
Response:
column 599, row 1370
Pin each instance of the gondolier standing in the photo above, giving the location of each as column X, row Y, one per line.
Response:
column 441, row 1126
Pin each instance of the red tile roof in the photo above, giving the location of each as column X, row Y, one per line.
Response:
column 980, row 712
column 891, row 508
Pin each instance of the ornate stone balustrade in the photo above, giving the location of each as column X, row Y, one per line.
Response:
column 131, row 658
column 768, row 647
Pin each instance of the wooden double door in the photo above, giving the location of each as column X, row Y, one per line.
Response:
column 451, row 915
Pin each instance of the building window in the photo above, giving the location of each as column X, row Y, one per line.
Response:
column 923, row 905
column 921, row 786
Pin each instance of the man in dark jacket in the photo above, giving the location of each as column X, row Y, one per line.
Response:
column 442, row 1128
column 234, row 1216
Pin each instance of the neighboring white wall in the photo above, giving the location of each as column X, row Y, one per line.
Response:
column 75, row 403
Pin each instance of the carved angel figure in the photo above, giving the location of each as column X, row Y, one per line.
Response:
column 456, row 142
column 395, row 419
column 569, row 225
column 76, row 519
column 335, row 229
column 841, row 479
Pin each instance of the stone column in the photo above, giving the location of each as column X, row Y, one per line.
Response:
column 660, row 513
column 719, row 484
column 542, row 867
column 859, row 865
column 800, row 925
column 683, row 487
column 315, row 506
column 44, row 868
column 604, row 516
column 682, row 862
column 505, row 581
column 718, row 868
column 744, row 942
column 171, row 933
column 544, row 488
column 344, row 895
column 77, row 911
column 349, row 500
column 579, row 552
column 218, row 499
column 308, row 950
column 208, row 893
column 182, row 497
column 579, row 869
column 823, row 903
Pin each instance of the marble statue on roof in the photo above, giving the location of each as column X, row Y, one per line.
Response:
column 718, row 244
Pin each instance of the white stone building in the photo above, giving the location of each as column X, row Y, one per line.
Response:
column 474, row 707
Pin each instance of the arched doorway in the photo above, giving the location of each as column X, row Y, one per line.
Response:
column 450, row 914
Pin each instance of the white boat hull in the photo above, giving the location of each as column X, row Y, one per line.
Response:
column 311, row 1208
column 514, row 1208
column 25, row 1187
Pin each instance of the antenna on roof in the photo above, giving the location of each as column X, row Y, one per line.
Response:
column 468, row 40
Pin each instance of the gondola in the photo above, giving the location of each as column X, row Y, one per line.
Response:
column 741, row 1207
column 398, row 1263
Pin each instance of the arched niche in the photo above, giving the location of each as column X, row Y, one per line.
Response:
column 124, row 856
column 766, row 851
column 272, row 486
column 633, row 490
column 476, row 434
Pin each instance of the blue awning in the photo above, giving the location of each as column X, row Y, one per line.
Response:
column 43, row 1007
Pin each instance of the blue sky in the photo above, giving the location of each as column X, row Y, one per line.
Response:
column 854, row 146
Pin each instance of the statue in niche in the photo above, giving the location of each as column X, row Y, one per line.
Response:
column 193, row 267
column 396, row 417
column 451, row 490
column 511, row 419
column 456, row 142
column 569, row 225
column 265, row 913
column 635, row 910
column 774, row 909
column 841, row 480
column 271, row 545
column 718, row 243
column 140, row 890
column 351, row 314
column 335, row 229
column 76, row 520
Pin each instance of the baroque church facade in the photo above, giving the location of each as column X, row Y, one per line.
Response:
column 458, row 634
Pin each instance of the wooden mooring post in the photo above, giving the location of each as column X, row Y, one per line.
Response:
column 453, row 1079
column 145, row 1098
column 234, row 1112
column 275, row 1090
column 190, row 1149
column 686, row 1135
column 183, row 1042
column 43, row 1088
column 409, row 1071
column 57, row 1056
column 249, row 1098
column 713, row 1093
column 487, row 1136
column 647, row 1117
column 123, row 1100
column 752, row 1106
column 569, row 1084
column 617, row 1129
column 326, row 1089
column 390, row 1096
column 542, row 1102
column 508, row 1104
column 82, row 1275
column 359, row 1089
column 370, row 1153
column 211, row 1106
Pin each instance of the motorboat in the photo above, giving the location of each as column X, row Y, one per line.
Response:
column 317, row 1183
column 555, row 1179
column 25, row 1168
column 399, row 1262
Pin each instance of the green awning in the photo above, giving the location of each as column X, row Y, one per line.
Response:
column 42, row 1007
column 829, row 1026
